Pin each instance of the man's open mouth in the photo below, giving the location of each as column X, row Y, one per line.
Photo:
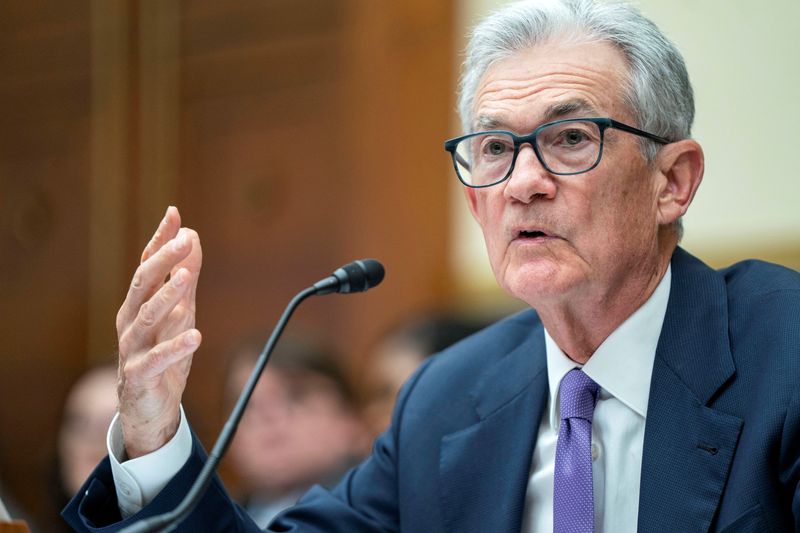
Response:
column 531, row 234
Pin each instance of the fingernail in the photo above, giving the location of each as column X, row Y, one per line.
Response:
column 179, row 278
column 180, row 242
column 192, row 338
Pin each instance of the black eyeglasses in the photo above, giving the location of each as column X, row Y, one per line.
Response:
column 564, row 147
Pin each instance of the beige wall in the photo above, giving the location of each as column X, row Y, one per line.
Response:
column 743, row 61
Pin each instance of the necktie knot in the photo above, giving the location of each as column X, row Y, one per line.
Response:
column 578, row 395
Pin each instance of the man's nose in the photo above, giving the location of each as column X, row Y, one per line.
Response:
column 529, row 179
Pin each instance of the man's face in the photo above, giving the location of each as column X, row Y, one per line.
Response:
column 297, row 431
column 88, row 411
column 596, row 226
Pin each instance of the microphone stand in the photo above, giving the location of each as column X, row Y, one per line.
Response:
column 169, row 520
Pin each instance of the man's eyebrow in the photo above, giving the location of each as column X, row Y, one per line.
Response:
column 488, row 123
column 571, row 107
column 554, row 112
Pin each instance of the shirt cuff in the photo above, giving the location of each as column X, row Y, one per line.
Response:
column 138, row 481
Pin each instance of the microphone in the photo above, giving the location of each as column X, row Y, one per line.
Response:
column 357, row 276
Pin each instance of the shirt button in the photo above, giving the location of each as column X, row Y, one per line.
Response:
column 126, row 490
column 595, row 451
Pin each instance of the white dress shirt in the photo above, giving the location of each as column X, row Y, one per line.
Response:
column 622, row 366
column 138, row 481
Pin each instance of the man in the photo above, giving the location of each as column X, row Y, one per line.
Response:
column 400, row 351
column 301, row 427
column 643, row 391
column 88, row 409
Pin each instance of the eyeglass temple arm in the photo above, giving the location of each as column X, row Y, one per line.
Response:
column 636, row 131
column 461, row 161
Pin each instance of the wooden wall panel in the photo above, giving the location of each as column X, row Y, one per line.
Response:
column 307, row 144
column 294, row 135
column 399, row 99
column 44, row 164
column 257, row 119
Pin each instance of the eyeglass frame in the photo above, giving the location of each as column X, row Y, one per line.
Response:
column 602, row 123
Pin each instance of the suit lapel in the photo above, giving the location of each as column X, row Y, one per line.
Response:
column 484, row 468
column 688, row 446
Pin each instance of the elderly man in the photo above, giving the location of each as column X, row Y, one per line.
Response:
column 643, row 390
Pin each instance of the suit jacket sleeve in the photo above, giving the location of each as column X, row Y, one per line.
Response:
column 94, row 508
column 790, row 453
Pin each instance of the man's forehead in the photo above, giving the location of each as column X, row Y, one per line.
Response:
column 551, row 81
column 573, row 107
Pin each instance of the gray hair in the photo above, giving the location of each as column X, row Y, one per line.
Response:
column 657, row 91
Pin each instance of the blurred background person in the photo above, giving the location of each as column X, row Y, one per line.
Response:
column 90, row 405
column 400, row 351
column 302, row 426
column 88, row 410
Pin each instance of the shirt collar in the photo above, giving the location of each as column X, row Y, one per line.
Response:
column 632, row 347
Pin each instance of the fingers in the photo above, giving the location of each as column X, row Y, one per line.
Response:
column 156, row 334
column 151, row 321
column 149, row 277
column 193, row 262
column 169, row 353
column 166, row 230
column 152, row 365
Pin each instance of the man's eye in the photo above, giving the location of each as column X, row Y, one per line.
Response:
column 573, row 137
column 495, row 147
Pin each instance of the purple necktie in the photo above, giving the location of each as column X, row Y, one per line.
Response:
column 573, row 494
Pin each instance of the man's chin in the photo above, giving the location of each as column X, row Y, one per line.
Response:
column 535, row 285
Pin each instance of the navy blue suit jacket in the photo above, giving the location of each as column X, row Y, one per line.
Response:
column 721, row 446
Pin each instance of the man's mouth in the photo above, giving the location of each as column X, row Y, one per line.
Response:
column 531, row 234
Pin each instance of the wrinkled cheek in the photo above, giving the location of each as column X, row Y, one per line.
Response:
column 498, row 260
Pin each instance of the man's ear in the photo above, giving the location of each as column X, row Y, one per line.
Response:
column 471, row 194
column 680, row 166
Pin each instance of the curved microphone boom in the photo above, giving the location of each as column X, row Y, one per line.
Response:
column 357, row 276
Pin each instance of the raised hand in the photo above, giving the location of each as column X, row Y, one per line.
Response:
column 157, row 337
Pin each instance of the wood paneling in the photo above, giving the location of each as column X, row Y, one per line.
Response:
column 294, row 135
column 44, row 220
column 110, row 177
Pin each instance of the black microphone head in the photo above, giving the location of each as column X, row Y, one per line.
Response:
column 359, row 275
column 373, row 271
